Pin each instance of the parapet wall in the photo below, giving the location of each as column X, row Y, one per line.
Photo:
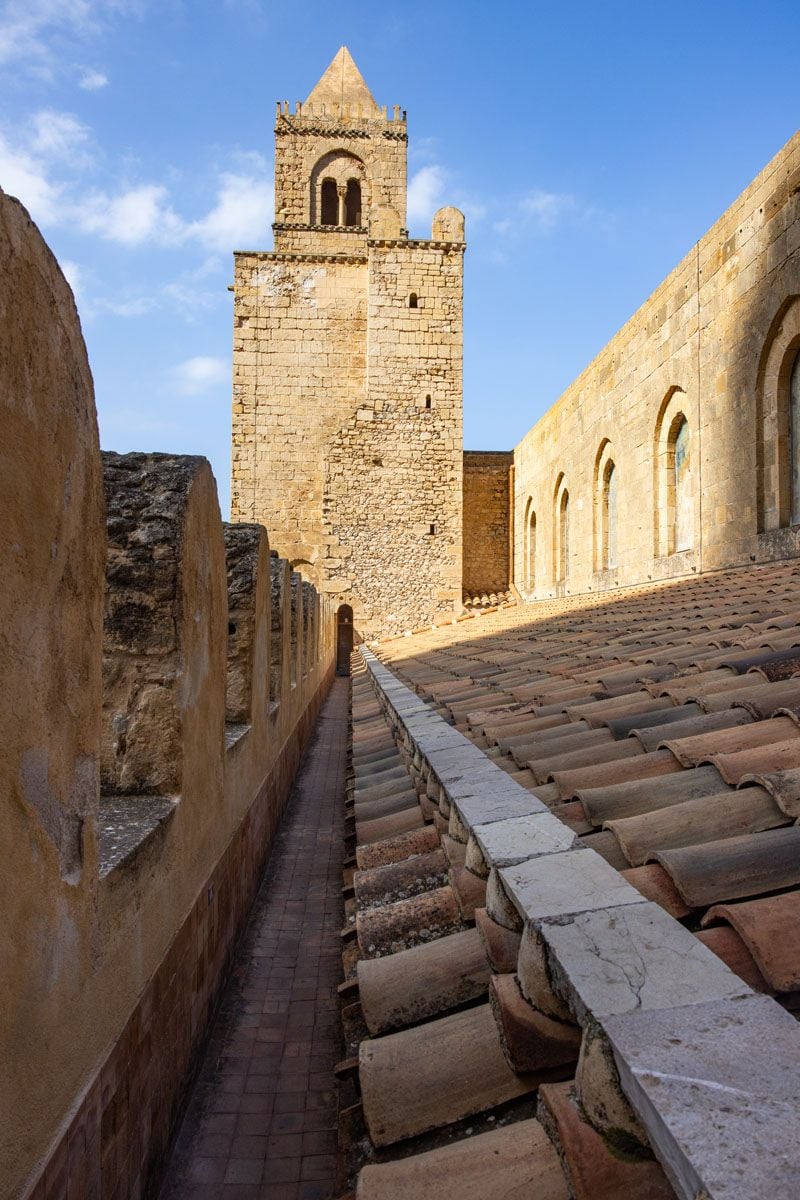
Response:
column 162, row 676
column 712, row 346
column 488, row 481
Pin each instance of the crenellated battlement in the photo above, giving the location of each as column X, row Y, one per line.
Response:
column 163, row 671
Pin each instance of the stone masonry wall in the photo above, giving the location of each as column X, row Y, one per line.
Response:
column 487, row 511
column 302, row 140
column 347, row 430
column 393, row 483
column 299, row 369
column 136, row 820
column 715, row 342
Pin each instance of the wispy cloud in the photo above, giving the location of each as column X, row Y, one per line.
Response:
column 48, row 167
column 195, row 376
column 91, row 80
column 425, row 191
column 60, row 137
column 33, row 32
column 540, row 212
column 242, row 214
column 430, row 188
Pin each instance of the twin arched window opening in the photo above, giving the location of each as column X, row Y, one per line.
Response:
column 341, row 206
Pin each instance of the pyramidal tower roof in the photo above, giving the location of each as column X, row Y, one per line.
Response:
column 342, row 87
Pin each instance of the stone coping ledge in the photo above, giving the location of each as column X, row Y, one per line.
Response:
column 710, row 1067
column 235, row 733
column 125, row 824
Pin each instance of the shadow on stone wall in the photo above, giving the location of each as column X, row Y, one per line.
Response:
column 161, row 678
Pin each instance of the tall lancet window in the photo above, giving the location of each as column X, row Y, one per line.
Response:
column 682, row 486
column 794, row 438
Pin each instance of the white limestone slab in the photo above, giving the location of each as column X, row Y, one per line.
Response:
column 514, row 840
column 558, row 885
column 634, row 957
column 716, row 1087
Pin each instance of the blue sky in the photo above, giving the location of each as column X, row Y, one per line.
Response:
column 590, row 144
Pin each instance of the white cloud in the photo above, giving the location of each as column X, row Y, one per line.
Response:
column 425, row 193
column 545, row 209
column 73, row 274
column 92, row 81
column 25, row 177
column 130, row 218
column 28, row 29
column 241, row 217
column 540, row 211
column 198, row 375
column 60, row 137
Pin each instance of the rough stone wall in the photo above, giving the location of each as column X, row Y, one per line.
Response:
column 121, row 908
column 334, row 449
column 487, row 513
column 701, row 345
column 299, row 369
column 302, row 140
column 393, row 485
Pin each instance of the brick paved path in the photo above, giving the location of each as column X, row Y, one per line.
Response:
column 261, row 1124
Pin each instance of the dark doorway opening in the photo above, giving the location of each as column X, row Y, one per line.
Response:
column 344, row 638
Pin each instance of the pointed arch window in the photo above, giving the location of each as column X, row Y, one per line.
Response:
column 609, row 511
column 675, row 483
column 529, row 564
column 794, row 437
column 563, row 537
column 680, row 484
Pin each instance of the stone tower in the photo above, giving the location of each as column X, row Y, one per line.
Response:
column 347, row 367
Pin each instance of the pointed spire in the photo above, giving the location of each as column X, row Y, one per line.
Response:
column 342, row 87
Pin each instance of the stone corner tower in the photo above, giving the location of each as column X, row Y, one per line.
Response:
column 347, row 367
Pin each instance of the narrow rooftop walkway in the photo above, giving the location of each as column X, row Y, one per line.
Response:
column 261, row 1123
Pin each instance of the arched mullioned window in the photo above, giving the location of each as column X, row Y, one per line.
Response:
column 339, row 189
column 609, row 516
column 330, row 202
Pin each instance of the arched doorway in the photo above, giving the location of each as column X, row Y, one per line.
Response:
column 344, row 638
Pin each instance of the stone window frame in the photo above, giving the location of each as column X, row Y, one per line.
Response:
column 604, row 464
column 342, row 166
column 674, row 409
column 561, row 518
column 773, row 419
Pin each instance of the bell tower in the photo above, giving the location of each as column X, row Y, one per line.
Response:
column 347, row 348
column 338, row 157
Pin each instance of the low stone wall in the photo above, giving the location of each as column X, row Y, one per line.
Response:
column 487, row 514
column 162, row 677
